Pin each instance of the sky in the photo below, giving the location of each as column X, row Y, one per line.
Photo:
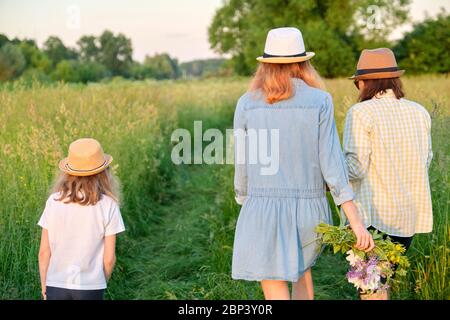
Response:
column 178, row 27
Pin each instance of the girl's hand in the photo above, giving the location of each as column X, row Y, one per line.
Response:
column 364, row 240
column 44, row 295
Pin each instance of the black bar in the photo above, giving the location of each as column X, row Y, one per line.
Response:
column 266, row 55
column 366, row 71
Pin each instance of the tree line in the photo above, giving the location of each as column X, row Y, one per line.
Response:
column 93, row 59
column 336, row 30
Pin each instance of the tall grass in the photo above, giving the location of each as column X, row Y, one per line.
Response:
column 133, row 122
column 37, row 126
column 180, row 220
column 428, row 277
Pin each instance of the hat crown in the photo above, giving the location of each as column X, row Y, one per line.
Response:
column 85, row 154
column 376, row 59
column 286, row 41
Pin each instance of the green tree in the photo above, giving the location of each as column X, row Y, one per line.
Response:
column 140, row 71
column 91, row 71
column 34, row 75
column 55, row 49
column 427, row 47
column 159, row 66
column 12, row 62
column 374, row 20
column 79, row 71
column 3, row 40
column 329, row 28
column 335, row 56
column 115, row 53
column 67, row 71
column 203, row 68
column 35, row 58
column 88, row 48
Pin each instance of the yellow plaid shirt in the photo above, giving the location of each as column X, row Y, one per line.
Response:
column 387, row 147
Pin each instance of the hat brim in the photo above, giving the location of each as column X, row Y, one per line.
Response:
column 63, row 166
column 308, row 56
column 378, row 75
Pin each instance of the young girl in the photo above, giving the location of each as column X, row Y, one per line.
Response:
column 275, row 239
column 79, row 226
column 387, row 147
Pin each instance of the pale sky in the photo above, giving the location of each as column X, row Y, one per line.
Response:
column 178, row 27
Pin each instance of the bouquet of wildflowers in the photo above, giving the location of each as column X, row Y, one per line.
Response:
column 369, row 272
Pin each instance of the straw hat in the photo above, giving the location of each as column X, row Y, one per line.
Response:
column 85, row 158
column 377, row 64
column 285, row 45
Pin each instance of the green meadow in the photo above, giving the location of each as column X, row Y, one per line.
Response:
column 180, row 219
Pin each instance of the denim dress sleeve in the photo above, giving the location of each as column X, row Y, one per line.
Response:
column 332, row 163
column 240, row 167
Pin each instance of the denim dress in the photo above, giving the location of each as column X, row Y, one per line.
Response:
column 275, row 236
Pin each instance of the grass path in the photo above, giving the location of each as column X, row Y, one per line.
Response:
column 187, row 254
column 176, row 252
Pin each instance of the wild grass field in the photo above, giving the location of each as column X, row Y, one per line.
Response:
column 180, row 219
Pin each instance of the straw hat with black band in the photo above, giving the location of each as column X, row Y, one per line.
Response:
column 285, row 45
column 377, row 64
column 85, row 158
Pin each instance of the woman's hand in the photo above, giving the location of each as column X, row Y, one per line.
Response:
column 364, row 240
column 44, row 295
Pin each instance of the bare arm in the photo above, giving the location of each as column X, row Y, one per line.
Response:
column 364, row 240
column 109, row 255
column 44, row 260
column 332, row 164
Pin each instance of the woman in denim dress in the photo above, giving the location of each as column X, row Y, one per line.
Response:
column 287, row 152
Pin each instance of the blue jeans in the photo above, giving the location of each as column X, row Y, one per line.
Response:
column 54, row 293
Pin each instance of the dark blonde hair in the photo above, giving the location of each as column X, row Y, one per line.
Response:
column 274, row 79
column 86, row 190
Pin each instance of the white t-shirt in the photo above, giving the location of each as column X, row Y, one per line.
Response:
column 76, row 235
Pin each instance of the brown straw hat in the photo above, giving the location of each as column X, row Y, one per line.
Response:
column 85, row 158
column 377, row 64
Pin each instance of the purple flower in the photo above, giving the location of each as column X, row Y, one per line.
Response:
column 365, row 274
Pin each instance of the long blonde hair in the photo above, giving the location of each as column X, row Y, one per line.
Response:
column 274, row 79
column 86, row 190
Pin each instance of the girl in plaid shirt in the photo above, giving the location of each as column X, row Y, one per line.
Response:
column 387, row 148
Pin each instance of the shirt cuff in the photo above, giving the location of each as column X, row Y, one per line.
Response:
column 114, row 231
column 42, row 224
column 343, row 195
column 240, row 199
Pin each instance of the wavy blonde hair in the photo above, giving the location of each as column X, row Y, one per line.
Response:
column 86, row 190
column 274, row 79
